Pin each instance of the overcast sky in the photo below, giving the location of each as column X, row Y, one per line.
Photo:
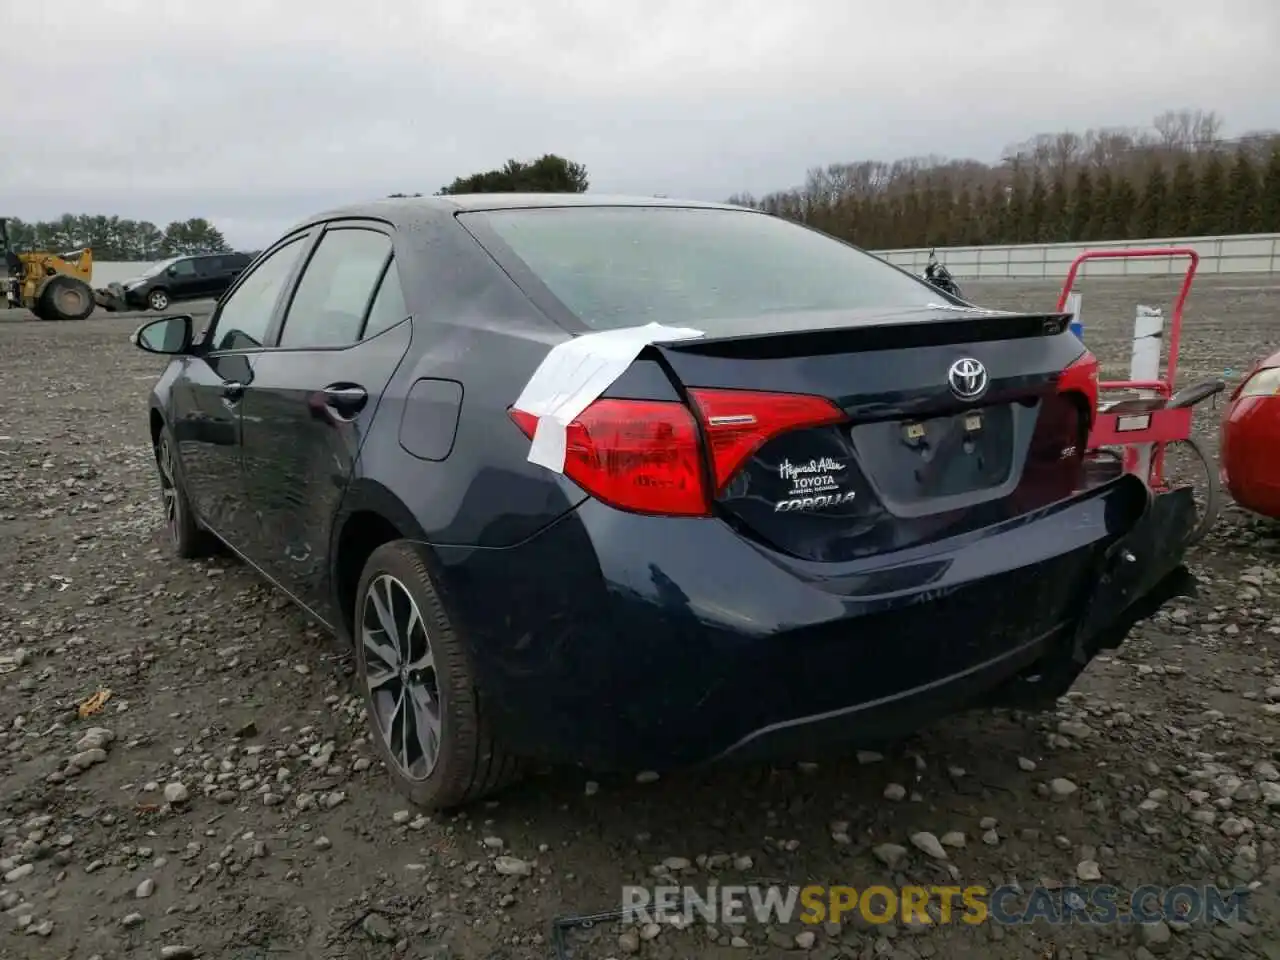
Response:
column 256, row 113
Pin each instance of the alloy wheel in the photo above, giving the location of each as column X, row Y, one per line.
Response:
column 400, row 672
column 169, row 487
column 158, row 301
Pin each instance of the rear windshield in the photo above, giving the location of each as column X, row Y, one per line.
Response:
column 626, row 266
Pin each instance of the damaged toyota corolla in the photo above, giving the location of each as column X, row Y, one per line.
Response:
column 635, row 483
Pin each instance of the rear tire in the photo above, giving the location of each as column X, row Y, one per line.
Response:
column 425, row 714
column 65, row 298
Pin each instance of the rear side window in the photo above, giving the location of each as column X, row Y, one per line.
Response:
column 388, row 306
column 329, row 306
column 625, row 266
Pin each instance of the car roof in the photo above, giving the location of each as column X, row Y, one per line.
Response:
column 406, row 211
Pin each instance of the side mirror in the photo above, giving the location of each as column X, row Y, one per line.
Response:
column 170, row 336
column 172, row 271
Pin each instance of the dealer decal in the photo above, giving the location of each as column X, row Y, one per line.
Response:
column 814, row 485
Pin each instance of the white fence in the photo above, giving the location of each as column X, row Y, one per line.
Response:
column 115, row 272
column 1247, row 253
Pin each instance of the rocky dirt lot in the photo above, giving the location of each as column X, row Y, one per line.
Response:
column 225, row 801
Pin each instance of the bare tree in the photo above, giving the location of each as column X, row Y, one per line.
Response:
column 1206, row 129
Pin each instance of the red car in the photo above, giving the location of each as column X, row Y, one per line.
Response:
column 1251, row 440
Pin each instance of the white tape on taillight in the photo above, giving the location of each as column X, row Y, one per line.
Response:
column 576, row 372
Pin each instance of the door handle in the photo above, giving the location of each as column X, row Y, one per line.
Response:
column 345, row 399
column 232, row 390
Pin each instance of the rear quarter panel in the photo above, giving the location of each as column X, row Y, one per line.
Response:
column 473, row 326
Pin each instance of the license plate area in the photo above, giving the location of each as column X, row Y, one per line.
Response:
column 938, row 457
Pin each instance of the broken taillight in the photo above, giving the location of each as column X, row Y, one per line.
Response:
column 637, row 455
column 646, row 456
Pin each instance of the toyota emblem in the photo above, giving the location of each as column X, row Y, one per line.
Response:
column 967, row 378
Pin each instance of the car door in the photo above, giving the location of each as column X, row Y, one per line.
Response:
column 208, row 271
column 181, row 279
column 207, row 394
column 229, row 267
column 312, row 398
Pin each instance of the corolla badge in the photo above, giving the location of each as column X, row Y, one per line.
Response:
column 968, row 378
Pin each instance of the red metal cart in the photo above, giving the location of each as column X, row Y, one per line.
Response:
column 1138, row 431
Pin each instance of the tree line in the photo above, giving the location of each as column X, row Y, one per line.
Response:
column 547, row 174
column 1176, row 178
column 117, row 238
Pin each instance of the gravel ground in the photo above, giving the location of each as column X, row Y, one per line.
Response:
column 225, row 802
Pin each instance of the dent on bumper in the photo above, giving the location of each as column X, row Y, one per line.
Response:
column 615, row 640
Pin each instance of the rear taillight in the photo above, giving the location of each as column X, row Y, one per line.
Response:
column 1082, row 377
column 740, row 422
column 637, row 455
column 645, row 455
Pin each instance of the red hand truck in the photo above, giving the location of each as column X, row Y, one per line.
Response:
column 1134, row 434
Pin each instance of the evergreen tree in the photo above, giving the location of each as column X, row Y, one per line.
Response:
column 1122, row 211
column 1182, row 199
column 1102, row 200
column 1034, row 225
column 117, row 238
column 1271, row 193
column 980, row 232
column 1209, row 213
column 547, row 174
column 1081, row 206
column 1014, row 220
column 1244, row 196
column 912, row 230
column 1154, row 203
column 1057, row 211
column 962, row 231
column 942, row 229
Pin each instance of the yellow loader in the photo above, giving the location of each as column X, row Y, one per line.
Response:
column 53, row 286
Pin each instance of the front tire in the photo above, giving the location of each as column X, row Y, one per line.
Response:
column 158, row 300
column 65, row 298
column 421, row 701
column 188, row 540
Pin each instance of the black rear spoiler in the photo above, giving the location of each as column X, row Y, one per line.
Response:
column 892, row 334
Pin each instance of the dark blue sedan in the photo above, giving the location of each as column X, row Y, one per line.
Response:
column 634, row 483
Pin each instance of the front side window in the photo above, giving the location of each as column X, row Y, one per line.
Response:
column 158, row 268
column 245, row 317
column 329, row 306
column 627, row 266
column 184, row 268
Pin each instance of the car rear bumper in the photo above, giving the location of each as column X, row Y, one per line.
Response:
column 615, row 640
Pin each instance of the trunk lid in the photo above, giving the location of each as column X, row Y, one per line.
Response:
column 953, row 421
